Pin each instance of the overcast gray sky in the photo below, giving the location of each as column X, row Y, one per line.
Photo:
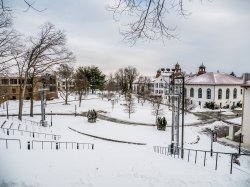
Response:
column 216, row 33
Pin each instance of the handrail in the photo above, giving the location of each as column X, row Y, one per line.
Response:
column 58, row 144
column 176, row 150
column 33, row 133
column 5, row 139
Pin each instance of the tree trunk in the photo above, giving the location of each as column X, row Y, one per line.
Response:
column 32, row 98
column 80, row 99
column 21, row 96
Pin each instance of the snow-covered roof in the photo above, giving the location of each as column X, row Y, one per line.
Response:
column 212, row 78
column 247, row 84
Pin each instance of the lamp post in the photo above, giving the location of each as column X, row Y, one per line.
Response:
column 7, row 108
column 182, row 121
column 51, row 118
column 45, row 78
column 176, row 93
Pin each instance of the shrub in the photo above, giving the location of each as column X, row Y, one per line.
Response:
column 209, row 105
column 92, row 115
column 161, row 123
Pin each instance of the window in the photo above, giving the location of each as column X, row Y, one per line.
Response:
column 241, row 91
column 191, row 92
column 5, row 81
column 219, row 93
column 227, row 93
column 161, row 85
column 21, row 81
column 199, row 93
column 13, row 81
column 156, row 85
column 235, row 93
column 185, row 92
column 13, row 90
column 208, row 93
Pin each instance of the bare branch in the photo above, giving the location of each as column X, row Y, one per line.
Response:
column 148, row 18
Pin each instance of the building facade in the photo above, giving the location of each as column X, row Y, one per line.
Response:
column 246, row 110
column 10, row 87
column 221, row 88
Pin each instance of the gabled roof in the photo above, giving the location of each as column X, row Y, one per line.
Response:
column 211, row 78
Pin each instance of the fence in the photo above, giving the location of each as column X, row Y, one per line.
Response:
column 188, row 153
column 6, row 141
column 58, row 145
column 31, row 133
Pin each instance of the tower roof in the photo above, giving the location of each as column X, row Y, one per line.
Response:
column 202, row 66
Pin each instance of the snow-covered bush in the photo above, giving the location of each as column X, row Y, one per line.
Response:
column 92, row 115
column 161, row 123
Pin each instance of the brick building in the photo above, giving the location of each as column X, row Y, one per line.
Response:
column 10, row 87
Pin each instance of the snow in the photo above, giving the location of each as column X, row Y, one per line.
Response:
column 235, row 120
column 111, row 163
column 212, row 78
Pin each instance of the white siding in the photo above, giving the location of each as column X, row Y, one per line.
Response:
column 246, row 117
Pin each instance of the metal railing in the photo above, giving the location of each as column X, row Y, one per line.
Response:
column 31, row 133
column 175, row 152
column 58, row 145
column 6, row 141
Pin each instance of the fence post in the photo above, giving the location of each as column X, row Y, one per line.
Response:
column 205, row 159
column 195, row 156
column 216, row 161
column 188, row 154
column 231, row 167
column 20, row 144
column 28, row 145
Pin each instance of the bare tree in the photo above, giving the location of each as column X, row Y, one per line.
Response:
column 131, row 74
column 148, row 18
column 8, row 37
column 130, row 105
column 81, row 83
column 66, row 73
column 110, row 85
column 44, row 52
column 157, row 108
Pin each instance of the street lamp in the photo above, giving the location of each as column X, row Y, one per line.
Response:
column 182, row 108
column 51, row 118
column 45, row 78
column 174, row 92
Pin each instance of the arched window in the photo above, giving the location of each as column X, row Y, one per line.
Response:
column 199, row 93
column 235, row 93
column 191, row 92
column 227, row 93
column 219, row 93
column 185, row 92
column 208, row 93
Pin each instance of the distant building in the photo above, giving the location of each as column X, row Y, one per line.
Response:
column 10, row 87
column 161, row 81
column 246, row 110
column 221, row 88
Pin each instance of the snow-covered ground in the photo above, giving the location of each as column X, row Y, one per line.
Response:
column 111, row 163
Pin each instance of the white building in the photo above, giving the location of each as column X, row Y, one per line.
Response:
column 246, row 111
column 221, row 88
